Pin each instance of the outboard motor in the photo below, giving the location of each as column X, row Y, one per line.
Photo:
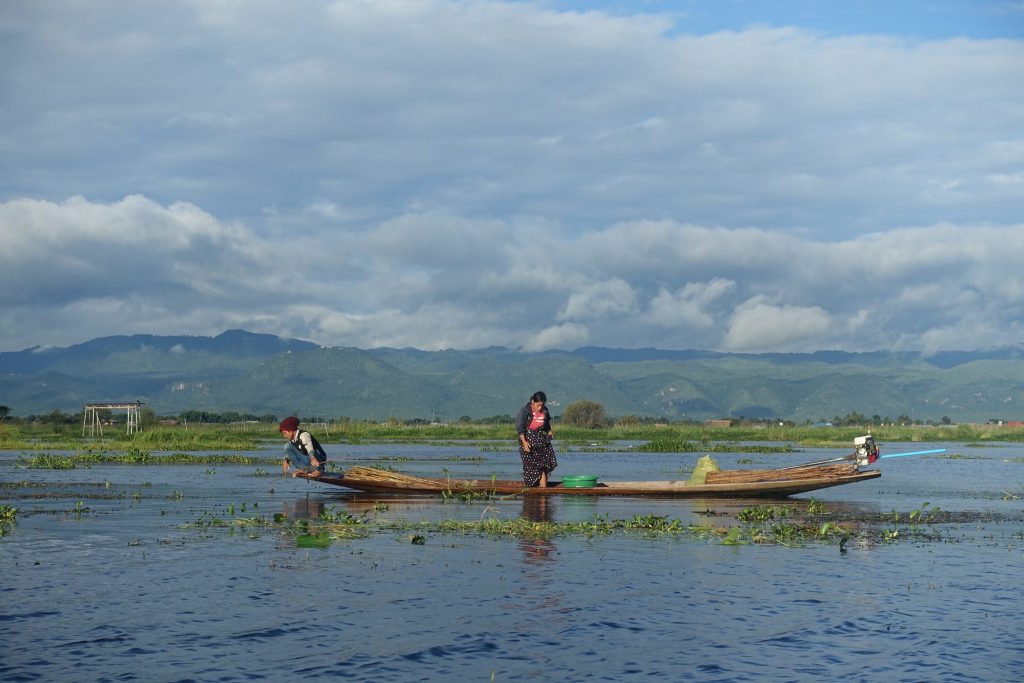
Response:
column 865, row 450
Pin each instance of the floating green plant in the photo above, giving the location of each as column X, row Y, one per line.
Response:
column 465, row 496
column 333, row 516
column 48, row 461
column 762, row 513
column 734, row 537
column 762, row 525
column 923, row 515
column 674, row 445
column 816, row 507
column 8, row 517
column 79, row 510
column 830, row 530
column 320, row 540
column 526, row 528
column 787, row 534
column 656, row 523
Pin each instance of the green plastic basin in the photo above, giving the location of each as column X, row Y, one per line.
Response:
column 579, row 481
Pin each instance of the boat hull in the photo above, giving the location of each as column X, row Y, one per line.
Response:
column 777, row 484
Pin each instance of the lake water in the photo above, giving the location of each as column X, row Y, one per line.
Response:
column 107, row 577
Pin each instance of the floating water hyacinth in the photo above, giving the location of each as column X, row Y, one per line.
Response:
column 321, row 540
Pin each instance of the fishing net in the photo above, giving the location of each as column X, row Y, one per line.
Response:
column 704, row 465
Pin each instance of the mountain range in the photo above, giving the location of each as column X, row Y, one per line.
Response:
column 263, row 374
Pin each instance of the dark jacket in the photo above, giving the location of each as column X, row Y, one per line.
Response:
column 318, row 451
column 525, row 416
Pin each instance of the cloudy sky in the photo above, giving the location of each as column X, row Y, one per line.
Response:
column 744, row 175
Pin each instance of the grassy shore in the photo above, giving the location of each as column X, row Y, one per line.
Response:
column 663, row 438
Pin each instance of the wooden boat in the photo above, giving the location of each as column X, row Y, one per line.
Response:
column 777, row 483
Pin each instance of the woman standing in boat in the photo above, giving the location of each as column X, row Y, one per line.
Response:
column 533, row 422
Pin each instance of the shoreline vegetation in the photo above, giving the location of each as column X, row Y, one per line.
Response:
column 669, row 438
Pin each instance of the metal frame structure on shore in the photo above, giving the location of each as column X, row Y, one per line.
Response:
column 91, row 417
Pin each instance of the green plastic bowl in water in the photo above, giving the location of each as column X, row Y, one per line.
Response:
column 580, row 481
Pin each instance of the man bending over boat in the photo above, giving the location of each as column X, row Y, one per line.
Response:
column 303, row 454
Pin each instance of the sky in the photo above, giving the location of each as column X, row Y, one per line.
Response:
column 737, row 175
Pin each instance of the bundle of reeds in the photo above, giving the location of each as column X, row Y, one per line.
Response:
column 788, row 474
column 393, row 479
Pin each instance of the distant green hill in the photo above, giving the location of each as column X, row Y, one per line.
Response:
column 260, row 374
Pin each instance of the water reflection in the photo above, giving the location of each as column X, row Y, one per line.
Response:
column 303, row 508
column 537, row 550
column 538, row 508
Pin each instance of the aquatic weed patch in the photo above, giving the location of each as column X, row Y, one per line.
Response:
column 761, row 525
column 787, row 526
column 49, row 461
column 405, row 458
column 330, row 523
column 8, row 517
column 768, row 525
column 466, row 495
column 521, row 527
column 346, row 526
column 956, row 456
column 674, row 445
column 762, row 513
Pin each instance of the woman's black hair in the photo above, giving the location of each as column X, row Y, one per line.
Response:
column 539, row 396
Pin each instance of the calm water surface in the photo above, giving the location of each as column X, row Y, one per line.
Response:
column 105, row 577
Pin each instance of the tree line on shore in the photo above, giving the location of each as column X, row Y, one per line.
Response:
column 582, row 413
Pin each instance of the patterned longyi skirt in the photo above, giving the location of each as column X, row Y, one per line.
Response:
column 540, row 458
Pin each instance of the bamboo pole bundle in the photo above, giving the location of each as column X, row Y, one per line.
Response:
column 393, row 479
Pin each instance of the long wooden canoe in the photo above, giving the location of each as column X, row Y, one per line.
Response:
column 777, row 483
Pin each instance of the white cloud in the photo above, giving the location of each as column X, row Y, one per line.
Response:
column 686, row 307
column 459, row 173
column 437, row 281
column 563, row 336
column 757, row 326
column 598, row 300
column 245, row 112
